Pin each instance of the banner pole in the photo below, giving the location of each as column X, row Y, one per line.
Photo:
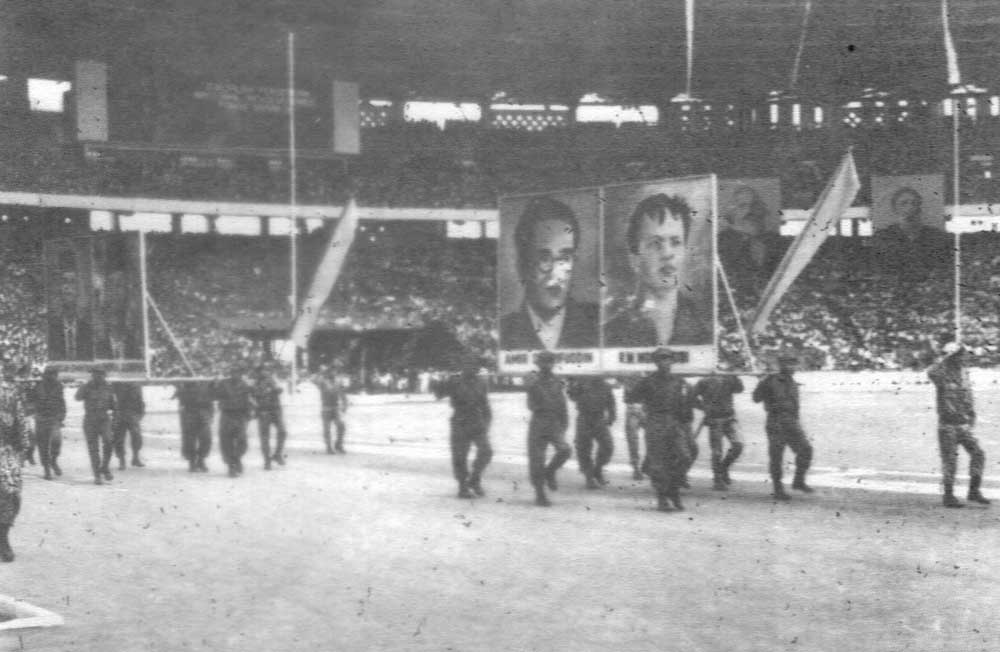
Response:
column 146, row 353
column 956, row 203
column 292, row 200
column 736, row 313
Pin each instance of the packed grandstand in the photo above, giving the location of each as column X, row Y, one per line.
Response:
column 846, row 312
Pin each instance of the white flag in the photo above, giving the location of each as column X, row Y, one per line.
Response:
column 326, row 274
column 836, row 198
column 954, row 78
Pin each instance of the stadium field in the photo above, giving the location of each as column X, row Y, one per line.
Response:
column 372, row 551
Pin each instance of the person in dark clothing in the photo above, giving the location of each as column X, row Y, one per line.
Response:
column 713, row 395
column 595, row 412
column 669, row 412
column 128, row 420
column 470, row 425
column 267, row 396
column 333, row 405
column 780, row 395
column 236, row 408
column 99, row 407
column 956, row 419
column 197, row 410
column 13, row 447
column 635, row 420
column 549, row 420
column 50, row 413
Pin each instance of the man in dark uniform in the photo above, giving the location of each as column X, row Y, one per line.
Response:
column 595, row 412
column 549, row 420
column 956, row 419
column 713, row 395
column 99, row 407
column 128, row 420
column 50, row 412
column 780, row 395
column 470, row 424
column 196, row 413
column 333, row 402
column 236, row 406
column 668, row 406
column 635, row 420
column 267, row 396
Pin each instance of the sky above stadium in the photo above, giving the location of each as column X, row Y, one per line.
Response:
column 533, row 50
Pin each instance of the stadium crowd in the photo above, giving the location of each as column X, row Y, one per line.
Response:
column 845, row 312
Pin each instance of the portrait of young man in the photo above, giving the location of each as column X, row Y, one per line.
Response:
column 663, row 308
column 546, row 246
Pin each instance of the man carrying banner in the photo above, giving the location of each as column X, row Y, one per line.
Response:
column 635, row 420
column 236, row 406
column 470, row 424
column 99, row 407
column 713, row 395
column 128, row 420
column 668, row 406
column 595, row 413
column 546, row 238
column 50, row 412
column 780, row 395
column 197, row 409
column 333, row 404
column 549, row 420
column 267, row 396
column 956, row 419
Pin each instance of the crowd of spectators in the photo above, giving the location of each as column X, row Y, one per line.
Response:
column 845, row 312
column 419, row 165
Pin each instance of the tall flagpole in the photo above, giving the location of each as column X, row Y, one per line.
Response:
column 955, row 82
column 689, row 25
column 292, row 200
column 956, row 203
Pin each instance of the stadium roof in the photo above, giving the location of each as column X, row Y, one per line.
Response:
column 534, row 50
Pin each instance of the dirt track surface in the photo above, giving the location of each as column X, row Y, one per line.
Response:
column 372, row 551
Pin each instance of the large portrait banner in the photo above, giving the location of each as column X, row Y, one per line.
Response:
column 94, row 302
column 602, row 276
column 549, row 280
column 659, row 273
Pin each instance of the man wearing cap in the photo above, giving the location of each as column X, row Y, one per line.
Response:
column 666, row 400
column 470, row 424
column 595, row 412
column 713, row 395
column 956, row 419
column 333, row 404
column 780, row 395
column 267, row 396
column 549, row 420
column 128, row 421
column 50, row 412
column 99, row 407
column 196, row 413
column 236, row 406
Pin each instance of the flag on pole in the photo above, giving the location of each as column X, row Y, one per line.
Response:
column 836, row 198
column 954, row 78
column 326, row 274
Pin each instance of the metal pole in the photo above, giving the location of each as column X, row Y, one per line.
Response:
column 146, row 352
column 956, row 203
column 292, row 200
column 736, row 313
